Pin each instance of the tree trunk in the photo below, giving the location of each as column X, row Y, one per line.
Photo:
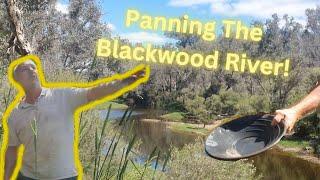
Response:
column 17, row 40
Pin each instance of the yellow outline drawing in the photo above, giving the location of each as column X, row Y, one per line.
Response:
column 76, row 113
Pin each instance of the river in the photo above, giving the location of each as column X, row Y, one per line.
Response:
column 272, row 164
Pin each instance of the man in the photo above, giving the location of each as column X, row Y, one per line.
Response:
column 292, row 115
column 43, row 122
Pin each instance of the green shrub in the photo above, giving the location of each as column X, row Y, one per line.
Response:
column 253, row 104
column 191, row 162
column 223, row 103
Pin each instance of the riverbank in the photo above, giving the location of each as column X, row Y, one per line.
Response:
column 305, row 153
column 174, row 122
column 187, row 127
column 295, row 148
column 114, row 105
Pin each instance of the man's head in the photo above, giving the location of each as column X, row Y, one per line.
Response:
column 26, row 74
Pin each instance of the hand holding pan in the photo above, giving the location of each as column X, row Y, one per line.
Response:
column 288, row 117
column 244, row 137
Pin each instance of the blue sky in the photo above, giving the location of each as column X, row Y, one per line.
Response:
column 203, row 10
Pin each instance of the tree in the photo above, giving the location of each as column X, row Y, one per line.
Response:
column 17, row 40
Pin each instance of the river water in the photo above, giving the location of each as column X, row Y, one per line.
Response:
column 272, row 164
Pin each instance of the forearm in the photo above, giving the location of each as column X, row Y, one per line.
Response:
column 308, row 103
column 107, row 89
column 9, row 164
column 8, row 171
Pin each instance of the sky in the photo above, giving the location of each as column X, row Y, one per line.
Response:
column 247, row 11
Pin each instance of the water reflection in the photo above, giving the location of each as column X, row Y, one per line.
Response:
column 116, row 114
column 158, row 134
column 275, row 164
column 272, row 164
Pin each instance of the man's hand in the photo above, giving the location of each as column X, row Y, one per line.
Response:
column 138, row 75
column 291, row 115
column 287, row 116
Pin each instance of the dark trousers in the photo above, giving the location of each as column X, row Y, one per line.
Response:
column 22, row 177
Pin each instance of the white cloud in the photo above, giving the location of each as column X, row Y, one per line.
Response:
column 145, row 37
column 111, row 26
column 253, row 8
column 186, row 3
column 63, row 8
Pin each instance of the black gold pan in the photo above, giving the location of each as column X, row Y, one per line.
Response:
column 243, row 137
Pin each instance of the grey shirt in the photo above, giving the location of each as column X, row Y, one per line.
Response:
column 46, row 129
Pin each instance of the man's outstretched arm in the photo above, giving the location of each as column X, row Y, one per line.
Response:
column 106, row 89
column 10, row 162
column 293, row 114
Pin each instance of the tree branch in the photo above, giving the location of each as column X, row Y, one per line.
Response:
column 17, row 40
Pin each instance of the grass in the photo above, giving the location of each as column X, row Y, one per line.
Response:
column 34, row 128
column 188, row 128
column 192, row 128
column 294, row 143
column 115, row 105
column 174, row 116
column 117, row 159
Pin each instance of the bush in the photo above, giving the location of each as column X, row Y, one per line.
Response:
column 174, row 116
column 223, row 103
column 191, row 162
column 253, row 105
